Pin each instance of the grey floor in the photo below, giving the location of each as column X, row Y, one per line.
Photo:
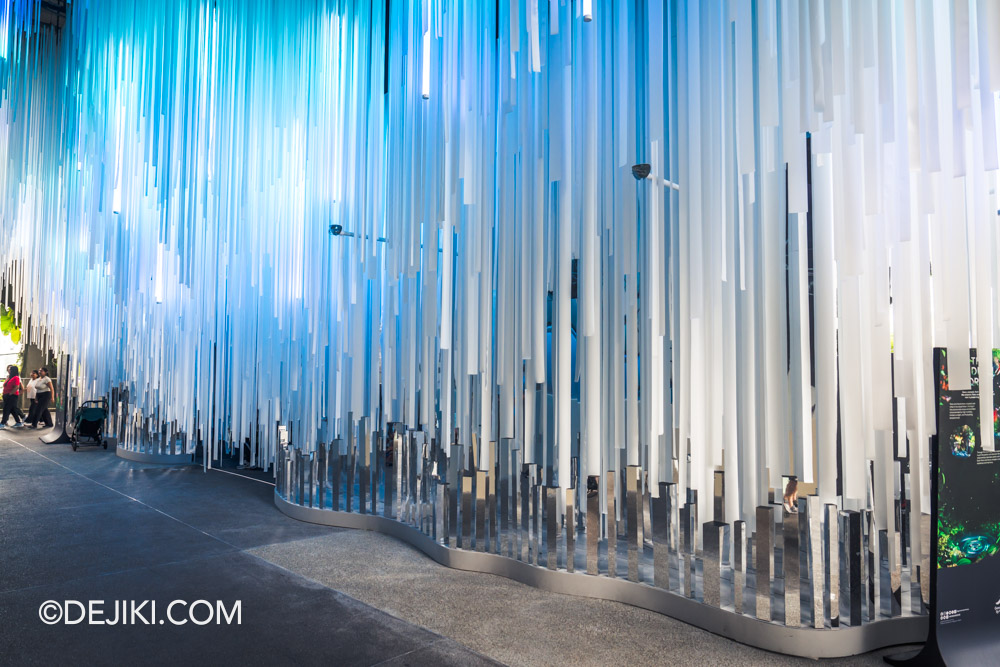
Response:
column 86, row 525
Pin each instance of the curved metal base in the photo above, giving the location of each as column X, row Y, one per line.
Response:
column 57, row 436
column 805, row 642
column 144, row 457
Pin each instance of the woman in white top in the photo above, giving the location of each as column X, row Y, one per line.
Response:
column 43, row 394
column 30, row 389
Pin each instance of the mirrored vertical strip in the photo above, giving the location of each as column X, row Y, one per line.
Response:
column 374, row 449
column 503, row 496
column 852, row 586
column 925, row 561
column 684, row 539
column 524, row 491
column 593, row 523
column 434, row 506
column 378, row 469
column 395, row 470
column 871, row 571
column 482, row 537
column 335, row 473
column 455, row 489
column 531, row 489
column 465, row 537
column 831, row 547
column 646, row 572
column 715, row 534
column 570, row 527
column 403, row 476
column 289, row 469
column 491, row 500
column 417, row 485
column 719, row 495
column 611, row 524
column 691, row 525
column 292, row 476
column 661, row 538
column 537, row 515
column 885, row 569
column 364, row 464
column 301, row 464
column 673, row 534
column 622, row 503
column 279, row 480
column 515, row 498
column 441, row 513
column 441, row 509
column 632, row 520
column 286, row 474
column 896, row 550
column 413, row 474
column 322, row 469
column 389, row 474
column 790, row 565
column 403, row 489
column 551, row 494
column 426, row 484
column 763, row 546
column 351, row 462
column 813, row 595
column 411, row 471
column 311, row 474
column 305, row 470
column 739, row 564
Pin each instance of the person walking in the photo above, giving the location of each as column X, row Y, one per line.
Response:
column 30, row 390
column 11, row 391
column 43, row 395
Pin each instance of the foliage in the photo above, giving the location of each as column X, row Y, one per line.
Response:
column 10, row 324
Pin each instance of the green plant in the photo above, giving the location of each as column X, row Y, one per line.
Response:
column 10, row 324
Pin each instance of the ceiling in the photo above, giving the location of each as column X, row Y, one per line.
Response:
column 53, row 12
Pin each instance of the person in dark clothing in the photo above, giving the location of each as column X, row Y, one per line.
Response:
column 11, row 392
column 43, row 395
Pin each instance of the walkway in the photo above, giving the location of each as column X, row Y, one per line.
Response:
column 87, row 525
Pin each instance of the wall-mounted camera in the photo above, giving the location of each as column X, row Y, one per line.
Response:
column 338, row 230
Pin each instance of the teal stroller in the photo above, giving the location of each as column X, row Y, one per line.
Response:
column 88, row 423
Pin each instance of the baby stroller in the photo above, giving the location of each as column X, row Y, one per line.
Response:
column 88, row 422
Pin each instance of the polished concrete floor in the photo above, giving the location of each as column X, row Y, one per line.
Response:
column 86, row 525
